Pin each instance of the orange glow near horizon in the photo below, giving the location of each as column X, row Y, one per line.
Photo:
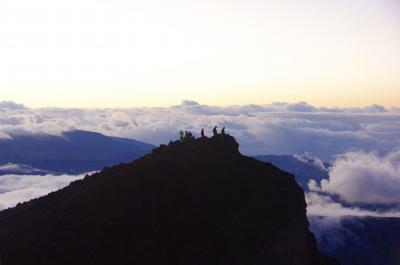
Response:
column 132, row 53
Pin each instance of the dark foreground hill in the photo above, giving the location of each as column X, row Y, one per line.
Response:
column 198, row 202
column 73, row 152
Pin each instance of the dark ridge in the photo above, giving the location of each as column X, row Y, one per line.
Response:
column 193, row 202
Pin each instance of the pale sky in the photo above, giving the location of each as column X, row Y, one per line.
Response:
column 126, row 53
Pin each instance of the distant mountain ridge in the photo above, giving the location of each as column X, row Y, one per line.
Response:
column 303, row 169
column 194, row 202
column 73, row 152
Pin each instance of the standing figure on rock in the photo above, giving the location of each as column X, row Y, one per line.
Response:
column 181, row 135
column 202, row 133
column 215, row 131
column 223, row 131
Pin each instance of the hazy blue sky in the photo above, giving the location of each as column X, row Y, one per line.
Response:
column 124, row 53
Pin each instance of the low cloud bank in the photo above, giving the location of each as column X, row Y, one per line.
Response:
column 361, row 175
column 19, row 188
column 19, row 169
column 278, row 128
column 312, row 160
column 366, row 178
column 10, row 105
column 360, row 184
column 324, row 205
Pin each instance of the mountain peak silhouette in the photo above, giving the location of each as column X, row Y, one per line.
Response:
column 215, row 146
column 193, row 202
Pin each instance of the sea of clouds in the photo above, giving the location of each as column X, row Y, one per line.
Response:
column 20, row 188
column 368, row 178
column 362, row 144
column 278, row 128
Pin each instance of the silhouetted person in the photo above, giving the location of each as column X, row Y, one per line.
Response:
column 215, row 131
column 202, row 133
column 188, row 136
column 181, row 135
column 223, row 131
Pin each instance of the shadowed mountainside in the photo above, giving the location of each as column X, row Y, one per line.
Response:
column 197, row 202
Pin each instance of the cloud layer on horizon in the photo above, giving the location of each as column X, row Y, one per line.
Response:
column 19, row 169
column 278, row 128
column 324, row 205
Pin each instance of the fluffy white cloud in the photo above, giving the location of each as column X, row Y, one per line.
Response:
column 19, row 169
column 313, row 160
column 367, row 178
column 328, row 219
column 278, row 128
column 324, row 205
column 10, row 105
column 356, row 178
column 20, row 188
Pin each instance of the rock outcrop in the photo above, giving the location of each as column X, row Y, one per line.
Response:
column 196, row 202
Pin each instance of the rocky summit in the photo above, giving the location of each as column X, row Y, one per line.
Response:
column 196, row 202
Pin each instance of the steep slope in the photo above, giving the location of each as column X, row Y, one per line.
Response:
column 197, row 202
column 73, row 152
